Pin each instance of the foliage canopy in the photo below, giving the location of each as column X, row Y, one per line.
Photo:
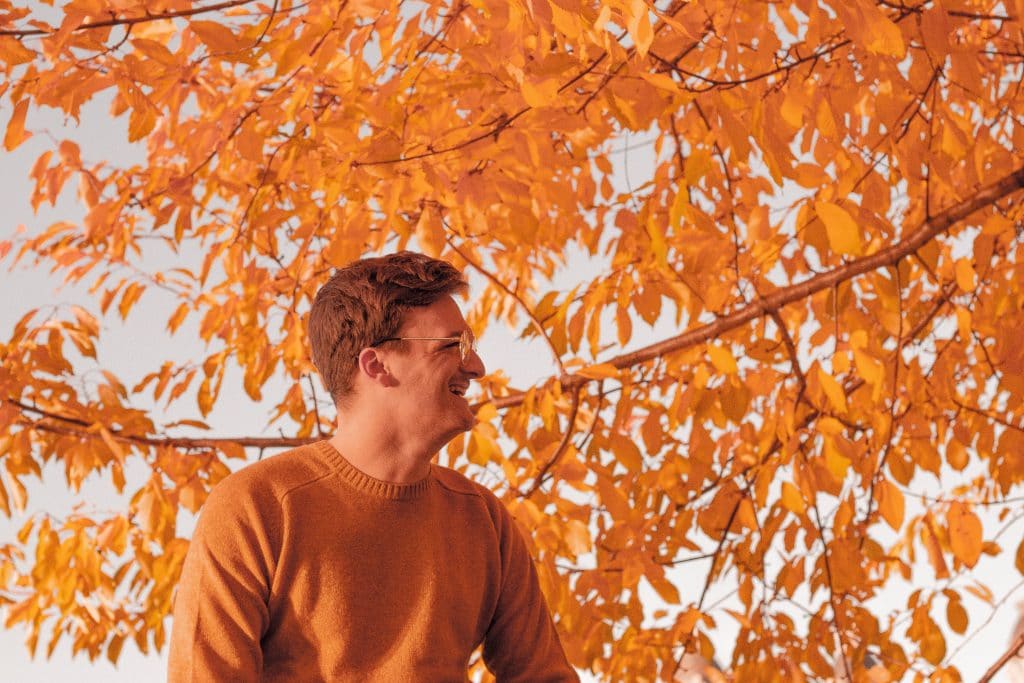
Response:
column 827, row 217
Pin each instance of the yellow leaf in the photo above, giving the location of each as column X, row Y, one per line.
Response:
column 868, row 368
column 16, row 133
column 963, row 323
column 722, row 359
column 639, row 27
column 599, row 371
column 833, row 390
column 843, row 232
column 791, row 499
column 486, row 412
column 965, row 533
column 965, row 275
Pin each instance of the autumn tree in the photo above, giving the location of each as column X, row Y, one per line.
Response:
column 827, row 219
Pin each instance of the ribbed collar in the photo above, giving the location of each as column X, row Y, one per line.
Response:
column 378, row 488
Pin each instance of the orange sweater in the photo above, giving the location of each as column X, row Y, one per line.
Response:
column 302, row 568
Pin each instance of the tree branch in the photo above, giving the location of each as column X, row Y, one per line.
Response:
column 699, row 335
column 1014, row 651
column 928, row 231
column 562, row 446
column 127, row 21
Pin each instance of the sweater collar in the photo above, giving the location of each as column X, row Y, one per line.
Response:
column 370, row 485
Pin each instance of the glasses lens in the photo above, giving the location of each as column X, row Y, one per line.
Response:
column 467, row 343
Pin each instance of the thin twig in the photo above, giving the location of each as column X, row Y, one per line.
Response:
column 560, row 450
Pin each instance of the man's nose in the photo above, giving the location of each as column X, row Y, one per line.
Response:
column 474, row 365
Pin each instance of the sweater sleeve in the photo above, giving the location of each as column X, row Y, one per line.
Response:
column 521, row 643
column 220, row 611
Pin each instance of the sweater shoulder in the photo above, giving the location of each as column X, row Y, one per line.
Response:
column 461, row 485
column 275, row 477
column 456, row 482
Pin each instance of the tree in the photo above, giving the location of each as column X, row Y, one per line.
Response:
column 830, row 219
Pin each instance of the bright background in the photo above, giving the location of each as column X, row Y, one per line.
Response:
column 133, row 347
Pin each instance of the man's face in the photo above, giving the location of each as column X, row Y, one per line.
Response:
column 432, row 379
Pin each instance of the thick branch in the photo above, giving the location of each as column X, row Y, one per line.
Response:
column 64, row 425
column 126, row 21
column 928, row 231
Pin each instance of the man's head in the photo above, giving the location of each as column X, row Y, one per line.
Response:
column 368, row 301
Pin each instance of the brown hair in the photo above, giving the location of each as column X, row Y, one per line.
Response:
column 365, row 302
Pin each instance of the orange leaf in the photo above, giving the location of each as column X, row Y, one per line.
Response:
column 966, row 279
column 956, row 615
column 16, row 133
column 577, row 537
column 639, row 27
column 890, row 504
column 217, row 37
column 965, row 533
column 599, row 371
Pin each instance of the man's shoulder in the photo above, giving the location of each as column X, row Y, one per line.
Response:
column 456, row 482
column 275, row 477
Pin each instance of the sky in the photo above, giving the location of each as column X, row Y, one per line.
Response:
column 133, row 348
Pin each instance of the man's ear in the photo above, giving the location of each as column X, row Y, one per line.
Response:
column 372, row 366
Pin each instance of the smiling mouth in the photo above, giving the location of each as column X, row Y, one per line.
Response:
column 458, row 391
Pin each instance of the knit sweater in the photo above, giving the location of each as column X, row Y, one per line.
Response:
column 303, row 568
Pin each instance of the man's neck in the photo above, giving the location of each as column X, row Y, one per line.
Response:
column 382, row 454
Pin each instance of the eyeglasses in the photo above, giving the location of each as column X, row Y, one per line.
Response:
column 467, row 342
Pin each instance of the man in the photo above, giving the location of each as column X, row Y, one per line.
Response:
column 357, row 559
